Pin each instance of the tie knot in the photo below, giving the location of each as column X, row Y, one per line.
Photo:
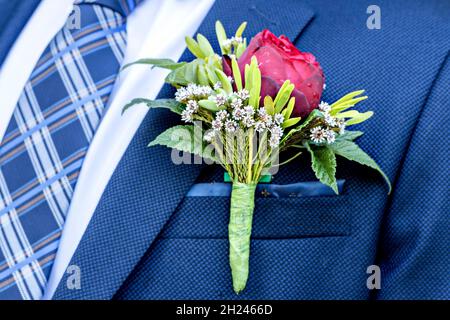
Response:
column 124, row 7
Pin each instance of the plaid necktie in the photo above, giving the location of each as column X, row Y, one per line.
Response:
column 47, row 139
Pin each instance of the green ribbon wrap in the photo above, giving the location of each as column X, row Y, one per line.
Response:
column 239, row 232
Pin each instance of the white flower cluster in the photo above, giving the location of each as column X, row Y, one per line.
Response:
column 188, row 114
column 245, row 117
column 327, row 134
column 192, row 92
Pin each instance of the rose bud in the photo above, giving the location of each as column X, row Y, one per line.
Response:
column 280, row 60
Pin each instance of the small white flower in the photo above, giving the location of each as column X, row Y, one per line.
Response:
column 278, row 118
column 217, row 125
column 317, row 134
column 243, row 94
column 236, row 103
column 262, row 112
column 274, row 140
column 330, row 136
column 249, row 111
column 248, row 121
column 192, row 106
column 341, row 125
column 230, row 78
column 324, row 86
column 324, row 107
column 238, row 114
column 217, row 85
column 221, row 115
column 187, row 116
column 209, row 136
column 220, row 100
column 276, row 130
column 230, row 125
column 260, row 126
column 330, row 120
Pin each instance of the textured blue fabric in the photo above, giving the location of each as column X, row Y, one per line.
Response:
column 46, row 141
column 14, row 16
column 147, row 241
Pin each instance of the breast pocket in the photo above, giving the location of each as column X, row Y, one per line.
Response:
column 280, row 213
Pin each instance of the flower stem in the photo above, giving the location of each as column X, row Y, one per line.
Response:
column 239, row 232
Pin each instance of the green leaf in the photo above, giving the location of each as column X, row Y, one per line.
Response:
column 170, row 104
column 236, row 73
column 347, row 97
column 346, row 105
column 210, row 105
column 287, row 112
column 283, row 96
column 269, row 106
column 204, row 45
column 248, row 76
column 291, row 122
column 194, row 47
column 202, row 77
column 160, row 63
column 240, row 49
column 355, row 116
column 361, row 117
column 185, row 138
column 353, row 152
column 241, row 30
column 210, row 71
column 226, row 85
column 221, row 34
column 256, row 84
column 324, row 165
column 350, row 135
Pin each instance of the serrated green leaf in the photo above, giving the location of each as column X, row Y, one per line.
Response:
column 204, row 45
column 290, row 122
column 160, row 63
column 221, row 34
column 170, row 104
column 236, row 73
column 353, row 152
column 323, row 163
column 194, row 47
column 185, row 138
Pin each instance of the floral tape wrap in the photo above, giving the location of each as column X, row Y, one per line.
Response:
column 239, row 232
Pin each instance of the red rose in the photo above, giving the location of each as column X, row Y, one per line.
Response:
column 280, row 60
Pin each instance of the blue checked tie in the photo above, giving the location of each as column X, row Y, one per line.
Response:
column 47, row 139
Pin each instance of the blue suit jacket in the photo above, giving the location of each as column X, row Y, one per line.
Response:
column 14, row 16
column 148, row 240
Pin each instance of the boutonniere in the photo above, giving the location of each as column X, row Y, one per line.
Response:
column 245, row 106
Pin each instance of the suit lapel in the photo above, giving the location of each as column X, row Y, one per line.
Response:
column 15, row 15
column 146, row 187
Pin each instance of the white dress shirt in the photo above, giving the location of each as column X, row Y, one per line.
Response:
column 155, row 29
